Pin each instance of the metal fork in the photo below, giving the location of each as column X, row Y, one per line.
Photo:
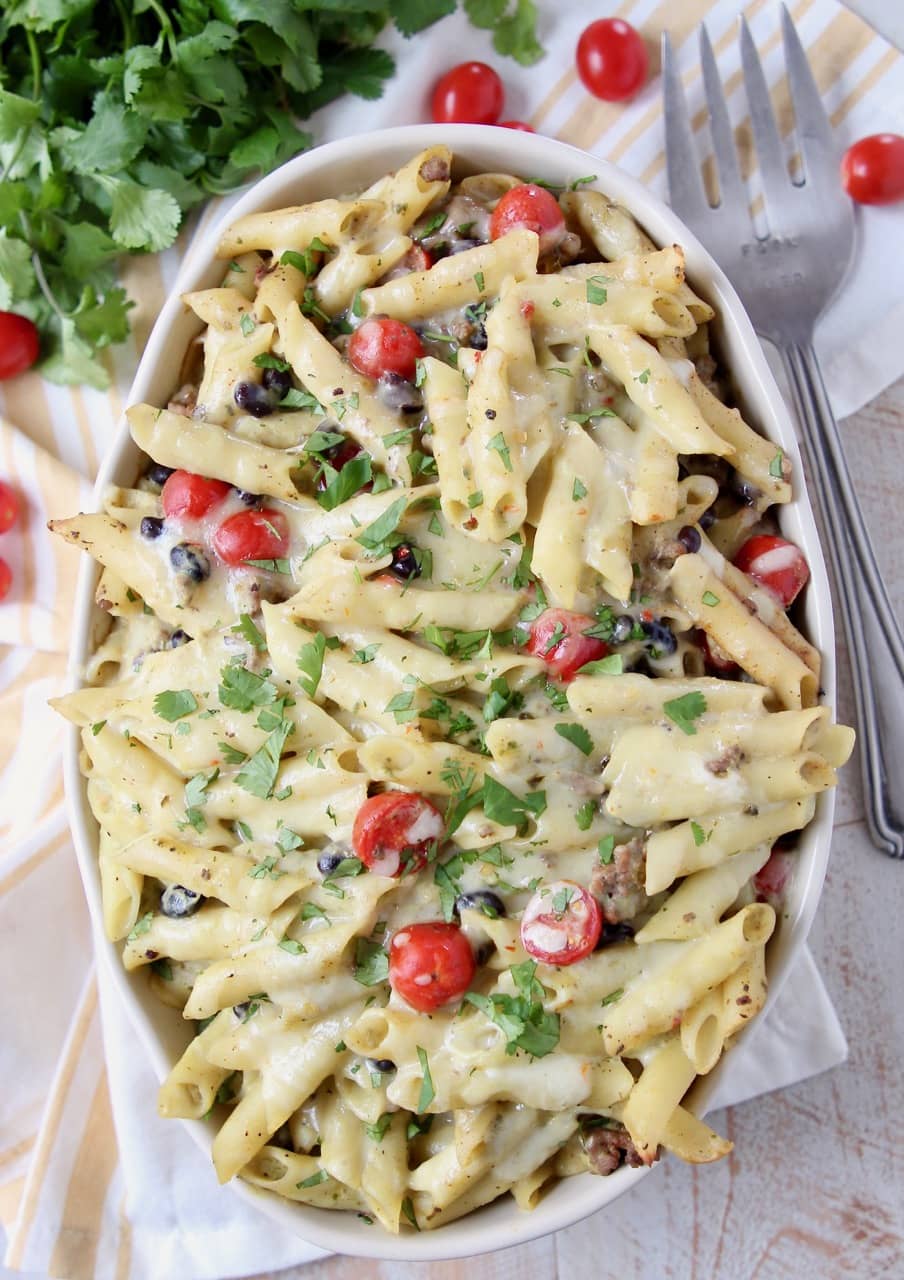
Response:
column 786, row 280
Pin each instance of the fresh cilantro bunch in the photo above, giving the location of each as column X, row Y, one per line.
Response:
column 118, row 116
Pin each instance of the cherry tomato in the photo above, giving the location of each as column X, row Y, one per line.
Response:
column 557, row 637
column 561, row 923
column 393, row 832
column 338, row 457
column 612, row 59
column 470, row 93
column 6, row 579
column 19, row 344
column 776, row 564
column 520, row 125
column 185, row 494
column 715, row 659
column 430, row 964
column 872, row 170
column 417, row 259
column 252, row 535
column 769, row 882
column 532, row 207
column 383, row 346
column 9, row 506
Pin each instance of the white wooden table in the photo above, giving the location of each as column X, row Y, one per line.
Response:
column 814, row 1189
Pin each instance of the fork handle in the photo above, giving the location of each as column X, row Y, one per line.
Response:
column 875, row 644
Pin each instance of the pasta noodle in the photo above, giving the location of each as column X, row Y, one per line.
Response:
column 436, row 744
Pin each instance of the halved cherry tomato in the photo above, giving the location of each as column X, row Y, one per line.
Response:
column 612, row 59
column 383, row 346
column 769, row 882
column 775, row 564
column 561, row 923
column 430, row 964
column 393, row 831
column 19, row 344
column 252, row 535
column 557, row 637
column 520, row 125
column 9, row 506
column 6, row 579
column 470, row 93
column 872, row 170
column 528, row 205
column 185, row 494
column 715, row 659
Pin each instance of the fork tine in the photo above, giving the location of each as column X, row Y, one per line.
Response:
column 774, row 173
column 687, row 194
column 814, row 131
column 731, row 188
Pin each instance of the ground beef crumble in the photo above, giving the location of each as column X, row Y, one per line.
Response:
column 608, row 1148
column 619, row 886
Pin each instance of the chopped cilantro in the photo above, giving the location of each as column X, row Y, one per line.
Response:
column 173, row 704
column 427, row 1093
column 685, row 710
column 577, row 735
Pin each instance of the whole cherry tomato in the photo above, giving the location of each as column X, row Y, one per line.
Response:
column 9, row 506
column 382, row 345
column 558, row 637
column 430, row 964
column 185, row 494
column 252, row 535
column 561, row 923
column 776, row 564
column 612, row 59
column 872, row 170
column 6, row 579
column 470, row 93
column 19, row 344
column 533, row 207
column 520, row 125
column 393, row 832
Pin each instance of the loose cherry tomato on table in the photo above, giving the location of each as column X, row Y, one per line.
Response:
column 19, row 344
column 185, row 494
column 557, row 637
column 6, row 579
column 382, row 345
column 872, row 170
column 775, row 564
column 9, row 506
column 612, row 59
column 392, row 832
column 533, row 207
column 252, row 535
column 520, row 125
column 470, row 93
column 430, row 964
column 561, row 923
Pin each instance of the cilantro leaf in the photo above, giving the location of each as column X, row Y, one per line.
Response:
column 523, row 1019
column 376, row 537
column 258, row 775
column 685, row 710
column 577, row 735
column 371, row 962
column 173, row 704
column 310, row 663
column 428, row 1093
column 503, row 806
column 242, row 690
column 245, row 627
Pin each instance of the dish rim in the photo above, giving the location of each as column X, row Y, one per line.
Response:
column 500, row 1224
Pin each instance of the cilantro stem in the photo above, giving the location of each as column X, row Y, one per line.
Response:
column 35, row 64
column 165, row 25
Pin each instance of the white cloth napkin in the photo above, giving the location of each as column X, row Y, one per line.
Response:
column 177, row 1220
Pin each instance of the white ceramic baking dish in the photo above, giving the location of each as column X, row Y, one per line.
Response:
column 345, row 167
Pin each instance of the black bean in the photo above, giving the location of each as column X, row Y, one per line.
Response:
column 176, row 901
column 151, row 526
column 481, row 900
column 689, row 537
column 330, row 858
column 622, row 628
column 612, row 933
column 660, row 637
column 747, row 492
column 459, row 246
column 478, row 339
column 189, row 560
column 249, row 499
column 398, row 393
column 179, row 637
column 404, row 562
column 254, row 399
column 708, row 519
column 278, row 381
column 282, row 1138
column 385, row 1066
column 158, row 474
